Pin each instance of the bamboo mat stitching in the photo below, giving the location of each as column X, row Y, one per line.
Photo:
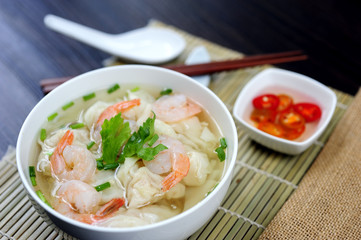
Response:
column 241, row 217
column 319, row 143
column 5, row 235
column 267, row 174
column 341, row 105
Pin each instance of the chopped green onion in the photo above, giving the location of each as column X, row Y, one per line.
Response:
column 100, row 164
column 114, row 88
column 42, row 198
column 49, row 153
column 42, row 134
column 135, row 89
column 153, row 140
column 52, row 116
column 212, row 189
column 32, row 175
column 68, row 105
column 223, row 143
column 89, row 146
column 110, row 166
column 103, row 186
column 220, row 150
column 89, row 96
column 221, row 154
column 166, row 92
column 76, row 125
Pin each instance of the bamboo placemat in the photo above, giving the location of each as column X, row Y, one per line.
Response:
column 263, row 179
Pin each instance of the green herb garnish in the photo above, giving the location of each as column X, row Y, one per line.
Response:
column 212, row 189
column 153, row 140
column 135, row 89
column 100, row 164
column 135, row 144
column 103, row 186
column 115, row 132
column 90, row 145
column 52, row 116
column 42, row 198
column 32, row 175
column 110, row 166
column 166, row 91
column 89, row 96
column 42, row 134
column 77, row 125
column 68, row 105
column 114, row 88
column 149, row 153
column 221, row 149
column 223, row 143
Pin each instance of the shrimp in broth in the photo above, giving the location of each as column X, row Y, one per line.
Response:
column 155, row 156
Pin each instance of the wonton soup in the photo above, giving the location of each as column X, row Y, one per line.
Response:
column 128, row 156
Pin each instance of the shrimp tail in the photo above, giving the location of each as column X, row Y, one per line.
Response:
column 56, row 160
column 126, row 105
column 106, row 210
column 170, row 180
column 113, row 110
column 181, row 166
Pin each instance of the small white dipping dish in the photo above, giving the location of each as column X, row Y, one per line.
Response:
column 302, row 89
column 178, row 227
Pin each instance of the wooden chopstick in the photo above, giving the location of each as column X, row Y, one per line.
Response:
column 207, row 68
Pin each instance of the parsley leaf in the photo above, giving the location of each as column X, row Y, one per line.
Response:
column 114, row 134
column 149, row 153
column 135, row 144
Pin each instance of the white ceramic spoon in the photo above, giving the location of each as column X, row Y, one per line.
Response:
column 143, row 45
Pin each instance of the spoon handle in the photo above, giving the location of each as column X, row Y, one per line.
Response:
column 74, row 30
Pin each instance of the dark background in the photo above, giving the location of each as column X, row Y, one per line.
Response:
column 328, row 31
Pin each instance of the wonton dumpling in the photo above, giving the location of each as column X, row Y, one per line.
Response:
column 161, row 128
column 144, row 188
column 141, row 216
column 198, row 170
column 177, row 191
column 127, row 171
column 93, row 113
column 143, row 111
column 114, row 191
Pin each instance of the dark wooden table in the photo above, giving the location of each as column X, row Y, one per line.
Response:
column 328, row 31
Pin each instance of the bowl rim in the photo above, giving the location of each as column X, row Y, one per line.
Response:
column 300, row 77
column 226, row 175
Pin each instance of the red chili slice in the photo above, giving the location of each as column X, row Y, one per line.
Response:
column 291, row 119
column 292, row 134
column 285, row 102
column 262, row 115
column 266, row 101
column 271, row 128
column 311, row 112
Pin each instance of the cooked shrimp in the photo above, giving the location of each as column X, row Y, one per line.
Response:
column 70, row 162
column 113, row 110
column 173, row 160
column 110, row 112
column 81, row 202
column 173, row 108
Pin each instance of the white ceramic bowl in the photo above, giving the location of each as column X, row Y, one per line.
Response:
column 302, row 89
column 178, row 227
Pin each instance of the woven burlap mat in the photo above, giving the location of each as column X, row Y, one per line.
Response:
column 327, row 203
